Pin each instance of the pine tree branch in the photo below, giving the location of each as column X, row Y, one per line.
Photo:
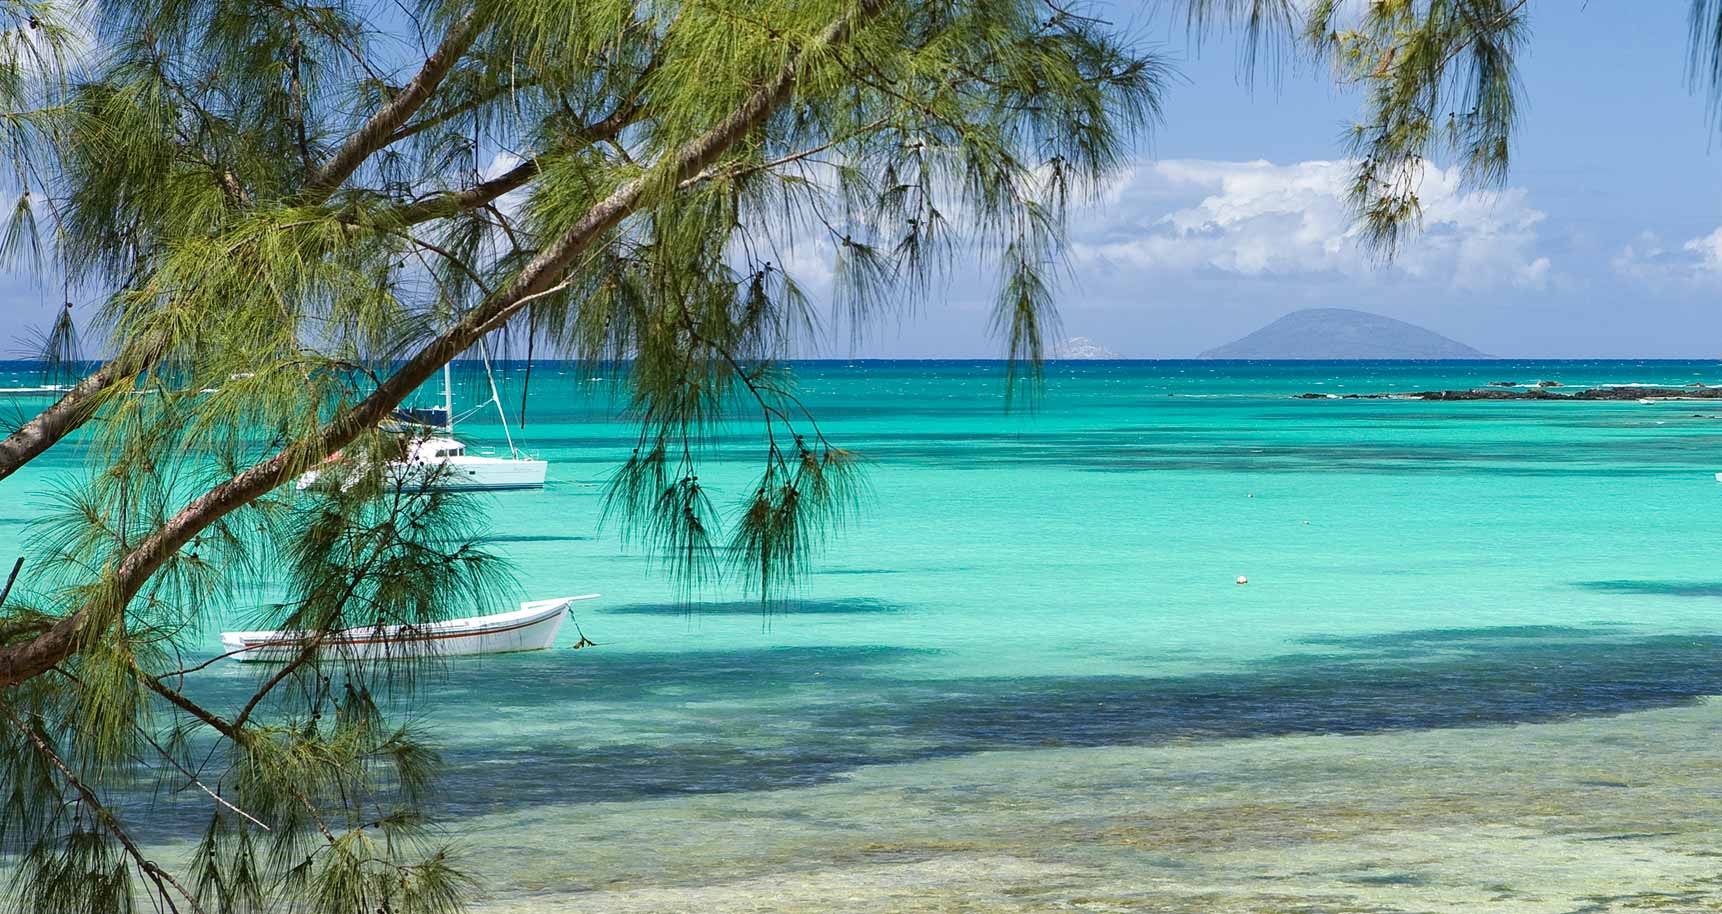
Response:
column 731, row 174
column 445, row 115
column 296, row 98
column 11, row 579
column 538, row 278
column 57, row 421
column 33, row 625
column 377, row 129
column 454, row 260
column 162, row 878
column 191, row 777
column 448, row 203
column 77, row 405
column 196, row 710
column 307, row 652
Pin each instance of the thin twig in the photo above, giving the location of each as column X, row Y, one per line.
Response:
column 150, row 868
column 199, row 784
column 710, row 174
column 211, row 661
column 231, row 731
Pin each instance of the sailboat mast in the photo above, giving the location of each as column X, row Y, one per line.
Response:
column 496, row 398
column 447, row 399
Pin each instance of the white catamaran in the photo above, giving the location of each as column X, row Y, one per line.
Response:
column 437, row 459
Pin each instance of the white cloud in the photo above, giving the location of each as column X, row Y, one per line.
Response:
column 1260, row 219
column 511, row 203
column 1708, row 249
column 811, row 263
column 1648, row 259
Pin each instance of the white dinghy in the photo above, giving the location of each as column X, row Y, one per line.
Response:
column 532, row 627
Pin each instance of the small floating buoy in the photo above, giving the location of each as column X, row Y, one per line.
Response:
column 1243, row 580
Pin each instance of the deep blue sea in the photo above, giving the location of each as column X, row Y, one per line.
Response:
column 1470, row 670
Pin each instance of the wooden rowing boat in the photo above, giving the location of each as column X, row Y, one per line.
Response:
column 532, row 627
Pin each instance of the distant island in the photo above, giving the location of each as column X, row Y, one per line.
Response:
column 1341, row 333
column 1081, row 347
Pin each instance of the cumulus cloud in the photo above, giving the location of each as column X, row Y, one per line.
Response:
column 1649, row 259
column 1260, row 219
column 811, row 262
column 511, row 203
column 1708, row 251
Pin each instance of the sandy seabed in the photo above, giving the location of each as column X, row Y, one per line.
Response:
column 1601, row 814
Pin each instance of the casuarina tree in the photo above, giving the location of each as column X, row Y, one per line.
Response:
column 284, row 216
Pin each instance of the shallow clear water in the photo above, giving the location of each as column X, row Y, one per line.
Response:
column 1469, row 670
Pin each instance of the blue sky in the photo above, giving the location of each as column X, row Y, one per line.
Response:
column 1602, row 245
column 1606, row 242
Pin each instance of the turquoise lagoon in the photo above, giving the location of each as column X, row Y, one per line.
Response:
column 1470, row 671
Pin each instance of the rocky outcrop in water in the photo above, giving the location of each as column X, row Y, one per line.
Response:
column 1539, row 392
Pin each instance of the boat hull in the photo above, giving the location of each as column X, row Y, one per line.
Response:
column 533, row 627
column 460, row 474
column 473, row 474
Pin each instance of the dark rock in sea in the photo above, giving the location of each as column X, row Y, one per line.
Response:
column 1542, row 393
column 1630, row 393
column 1503, row 384
column 1647, row 393
column 1485, row 393
column 1549, row 384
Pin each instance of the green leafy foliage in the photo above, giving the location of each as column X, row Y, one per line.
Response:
column 286, row 209
column 1439, row 79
